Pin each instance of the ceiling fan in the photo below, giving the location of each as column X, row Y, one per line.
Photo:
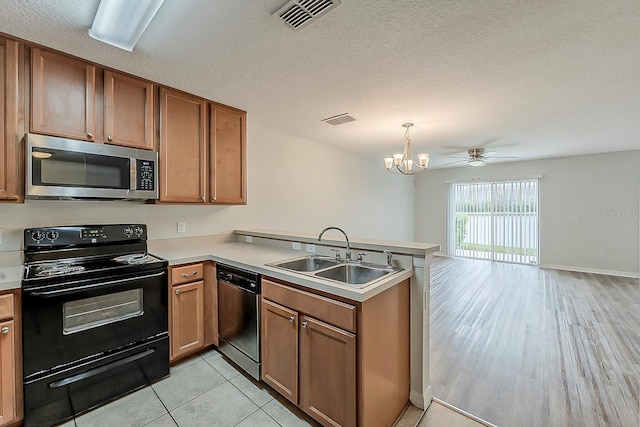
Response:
column 477, row 157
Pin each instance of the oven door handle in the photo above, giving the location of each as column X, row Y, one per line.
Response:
column 66, row 291
column 95, row 371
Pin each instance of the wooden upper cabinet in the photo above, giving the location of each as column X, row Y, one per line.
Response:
column 10, row 153
column 63, row 96
column 183, row 147
column 128, row 111
column 227, row 155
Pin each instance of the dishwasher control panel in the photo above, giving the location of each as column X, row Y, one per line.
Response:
column 244, row 279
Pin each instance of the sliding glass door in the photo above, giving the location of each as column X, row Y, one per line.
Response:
column 496, row 221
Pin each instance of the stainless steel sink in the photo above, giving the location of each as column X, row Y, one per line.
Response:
column 359, row 275
column 353, row 274
column 306, row 264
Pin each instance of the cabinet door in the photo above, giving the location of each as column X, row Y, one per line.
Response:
column 10, row 158
column 7, row 372
column 62, row 96
column 279, row 340
column 228, row 155
column 128, row 111
column 327, row 373
column 183, row 147
column 210, row 304
column 187, row 318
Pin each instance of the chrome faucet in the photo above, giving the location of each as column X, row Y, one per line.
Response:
column 347, row 254
column 389, row 255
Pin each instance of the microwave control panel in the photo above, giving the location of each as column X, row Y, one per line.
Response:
column 146, row 176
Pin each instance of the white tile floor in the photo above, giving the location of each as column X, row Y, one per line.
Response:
column 207, row 390
column 204, row 390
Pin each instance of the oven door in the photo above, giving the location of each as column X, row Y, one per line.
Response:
column 82, row 319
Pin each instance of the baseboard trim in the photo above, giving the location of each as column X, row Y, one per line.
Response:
column 463, row 413
column 631, row 275
column 421, row 400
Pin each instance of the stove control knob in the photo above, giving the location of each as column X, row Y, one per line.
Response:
column 53, row 235
column 137, row 230
column 37, row 235
column 128, row 231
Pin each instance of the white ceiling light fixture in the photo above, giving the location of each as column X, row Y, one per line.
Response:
column 404, row 163
column 121, row 23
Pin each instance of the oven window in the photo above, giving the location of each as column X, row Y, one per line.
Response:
column 68, row 169
column 89, row 313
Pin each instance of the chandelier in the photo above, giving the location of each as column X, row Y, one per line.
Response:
column 405, row 164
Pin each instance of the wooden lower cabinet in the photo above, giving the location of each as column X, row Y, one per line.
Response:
column 10, row 359
column 327, row 373
column 187, row 331
column 343, row 364
column 280, row 349
column 193, row 304
column 7, row 372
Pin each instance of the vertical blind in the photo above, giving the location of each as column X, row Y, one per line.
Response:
column 496, row 220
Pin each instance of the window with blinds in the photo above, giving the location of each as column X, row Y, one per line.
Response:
column 496, row 221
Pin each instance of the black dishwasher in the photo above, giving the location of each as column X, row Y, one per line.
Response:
column 239, row 317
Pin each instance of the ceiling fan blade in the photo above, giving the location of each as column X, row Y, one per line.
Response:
column 490, row 153
column 456, row 157
column 457, row 161
column 502, row 157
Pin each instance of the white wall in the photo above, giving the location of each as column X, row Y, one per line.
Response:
column 293, row 184
column 601, row 190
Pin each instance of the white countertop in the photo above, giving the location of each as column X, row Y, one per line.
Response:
column 408, row 248
column 10, row 270
column 253, row 257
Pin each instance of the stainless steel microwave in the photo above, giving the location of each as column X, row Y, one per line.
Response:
column 66, row 169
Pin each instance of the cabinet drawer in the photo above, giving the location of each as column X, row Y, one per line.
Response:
column 187, row 273
column 333, row 312
column 6, row 306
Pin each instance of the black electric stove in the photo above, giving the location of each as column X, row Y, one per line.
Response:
column 95, row 318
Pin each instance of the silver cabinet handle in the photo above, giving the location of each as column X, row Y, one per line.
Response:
column 304, row 324
column 177, row 291
column 109, row 138
column 292, row 318
column 89, row 135
column 5, row 330
column 195, row 273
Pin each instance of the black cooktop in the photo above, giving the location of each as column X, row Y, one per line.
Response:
column 54, row 254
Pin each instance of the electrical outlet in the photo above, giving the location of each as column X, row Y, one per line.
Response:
column 311, row 248
column 248, row 239
column 182, row 226
column 573, row 217
column 296, row 246
column 603, row 255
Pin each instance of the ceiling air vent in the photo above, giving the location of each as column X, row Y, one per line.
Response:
column 299, row 13
column 339, row 119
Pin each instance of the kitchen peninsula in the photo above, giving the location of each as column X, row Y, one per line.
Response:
column 388, row 327
column 253, row 249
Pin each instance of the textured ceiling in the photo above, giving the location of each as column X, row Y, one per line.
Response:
column 534, row 79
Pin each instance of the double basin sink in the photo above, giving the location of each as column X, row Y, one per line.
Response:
column 356, row 274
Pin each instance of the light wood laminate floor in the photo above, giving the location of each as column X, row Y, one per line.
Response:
column 523, row 346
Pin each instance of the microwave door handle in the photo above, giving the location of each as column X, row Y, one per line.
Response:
column 67, row 291
column 133, row 178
